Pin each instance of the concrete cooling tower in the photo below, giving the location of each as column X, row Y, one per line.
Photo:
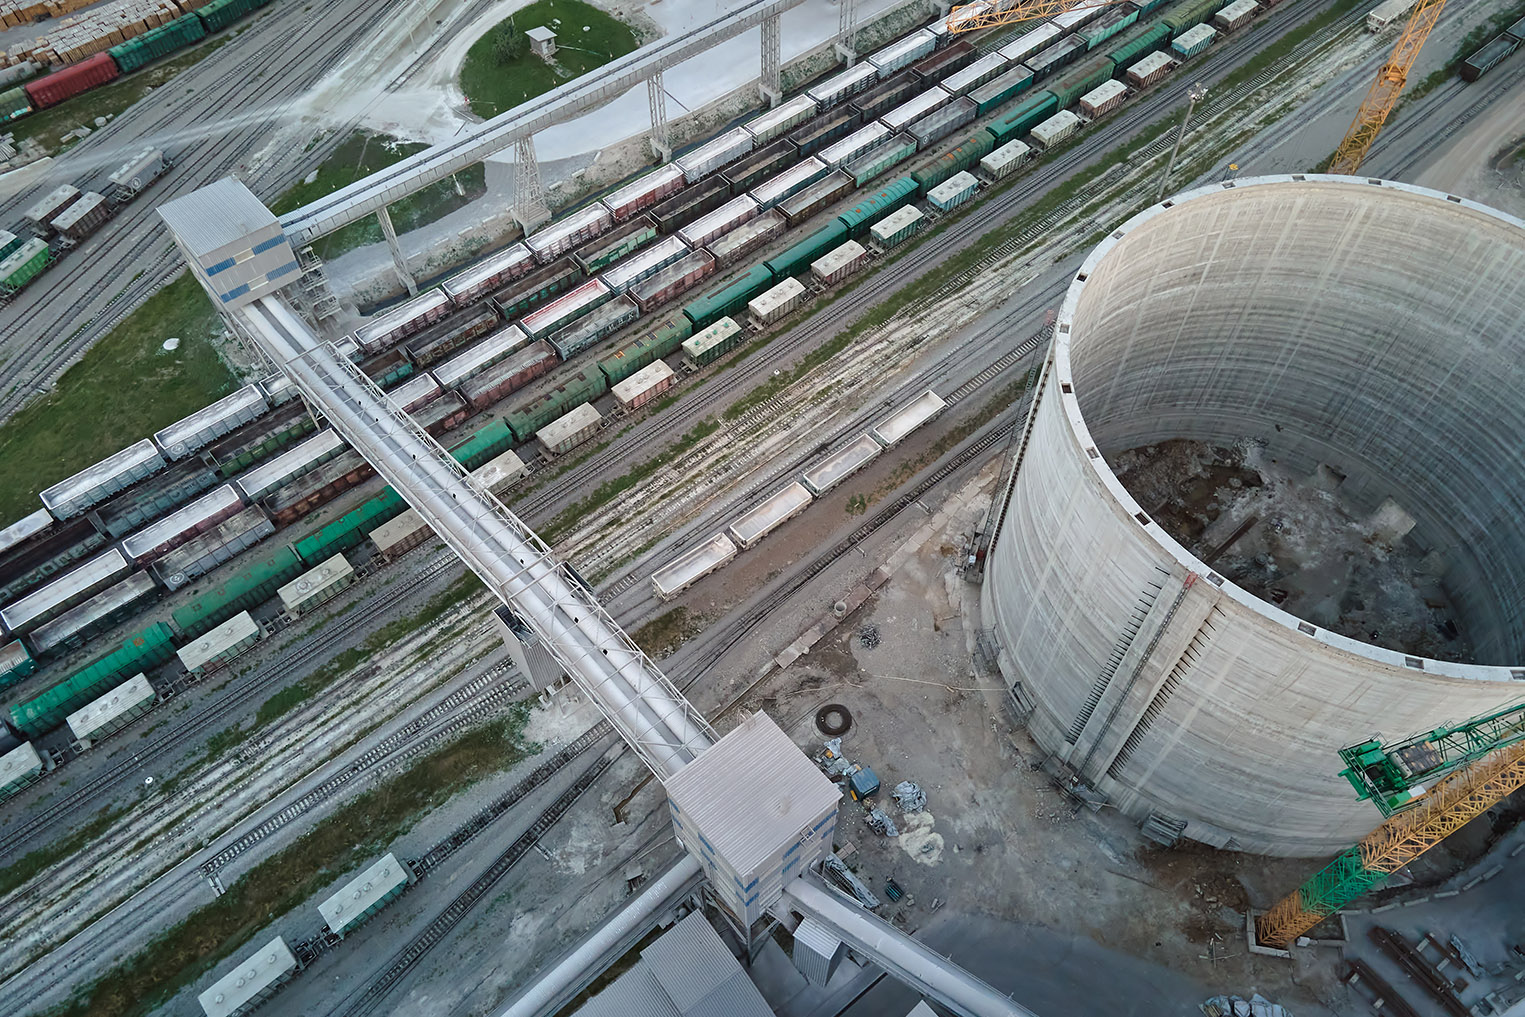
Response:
column 1270, row 501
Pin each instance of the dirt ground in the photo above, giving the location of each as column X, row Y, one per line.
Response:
column 996, row 839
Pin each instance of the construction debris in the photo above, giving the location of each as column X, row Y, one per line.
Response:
column 1237, row 1006
column 910, row 797
column 839, row 873
column 880, row 822
column 868, row 636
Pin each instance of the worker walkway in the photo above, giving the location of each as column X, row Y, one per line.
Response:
column 652, row 716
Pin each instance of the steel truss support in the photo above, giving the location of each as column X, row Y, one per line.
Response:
column 530, row 206
column 656, row 100
column 399, row 262
column 771, row 85
column 847, row 30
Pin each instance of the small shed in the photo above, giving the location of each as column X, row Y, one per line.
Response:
column 542, row 42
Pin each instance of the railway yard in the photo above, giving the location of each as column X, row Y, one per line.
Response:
column 760, row 398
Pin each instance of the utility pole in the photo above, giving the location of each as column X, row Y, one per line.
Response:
column 1194, row 95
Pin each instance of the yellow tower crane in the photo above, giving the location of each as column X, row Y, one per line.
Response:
column 1380, row 99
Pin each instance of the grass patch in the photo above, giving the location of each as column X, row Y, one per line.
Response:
column 350, row 837
column 586, row 38
column 47, row 127
column 666, row 632
column 610, row 489
column 364, row 153
column 125, row 388
column 30, row 864
column 345, row 661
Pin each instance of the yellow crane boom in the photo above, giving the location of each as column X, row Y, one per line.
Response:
column 1452, row 803
column 1383, row 94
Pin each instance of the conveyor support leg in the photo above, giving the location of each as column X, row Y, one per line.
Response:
column 398, row 261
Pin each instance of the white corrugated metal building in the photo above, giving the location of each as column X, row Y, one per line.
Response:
column 234, row 244
column 317, row 585
column 220, row 645
column 687, row 971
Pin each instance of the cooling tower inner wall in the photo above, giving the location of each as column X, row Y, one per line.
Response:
column 1373, row 328
column 1385, row 338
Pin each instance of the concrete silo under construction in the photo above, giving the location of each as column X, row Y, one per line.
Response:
column 1270, row 502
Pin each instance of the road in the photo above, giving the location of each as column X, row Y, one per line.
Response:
column 221, row 113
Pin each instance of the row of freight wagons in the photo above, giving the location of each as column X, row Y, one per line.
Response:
column 703, row 314
column 123, row 58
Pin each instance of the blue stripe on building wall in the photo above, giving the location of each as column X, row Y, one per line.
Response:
column 235, row 293
column 285, row 269
column 265, row 245
column 221, row 266
column 825, row 819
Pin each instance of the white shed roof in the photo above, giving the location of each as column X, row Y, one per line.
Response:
column 214, row 216
column 230, row 633
column 314, row 581
column 568, row 424
column 19, row 762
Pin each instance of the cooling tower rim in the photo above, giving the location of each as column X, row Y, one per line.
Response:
column 1127, row 506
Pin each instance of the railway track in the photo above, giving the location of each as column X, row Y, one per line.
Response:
column 134, row 234
column 327, row 642
column 481, row 695
column 1498, row 88
column 904, row 270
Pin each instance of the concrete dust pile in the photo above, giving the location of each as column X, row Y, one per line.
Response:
column 1295, row 542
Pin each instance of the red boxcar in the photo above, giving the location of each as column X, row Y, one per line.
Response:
column 72, row 80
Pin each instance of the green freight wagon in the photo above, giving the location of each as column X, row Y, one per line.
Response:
column 583, row 387
column 241, row 455
column 14, row 103
column 1139, row 46
column 1145, row 6
column 219, row 14
column 1030, row 112
column 484, row 445
column 247, row 588
column 662, row 341
column 994, row 94
column 23, row 265
column 729, row 297
column 797, row 259
column 1111, row 23
column 528, row 292
column 15, row 663
column 873, row 207
column 350, row 529
column 611, row 247
column 158, row 42
column 148, row 649
column 964, row 155
column 1188, row 15
column 1081, row 80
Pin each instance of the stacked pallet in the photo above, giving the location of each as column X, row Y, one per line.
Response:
column 24, row 12
column 99, row 29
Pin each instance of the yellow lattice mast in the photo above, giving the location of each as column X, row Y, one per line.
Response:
column 1452, row 803
column 971, row 17
column 1383, row 94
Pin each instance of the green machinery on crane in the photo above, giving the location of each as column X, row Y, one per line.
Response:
column 1393, row 777
column 1428, row 786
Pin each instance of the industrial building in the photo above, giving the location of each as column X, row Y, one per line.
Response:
column 1356, row 338
column 687, row 971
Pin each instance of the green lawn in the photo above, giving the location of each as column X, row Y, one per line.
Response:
column 586, row 38
column 362, row 154
column 126, row 388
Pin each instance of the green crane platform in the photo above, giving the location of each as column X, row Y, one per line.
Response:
column 1395, row 776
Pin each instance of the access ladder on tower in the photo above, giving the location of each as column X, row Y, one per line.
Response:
column 1474, row 766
